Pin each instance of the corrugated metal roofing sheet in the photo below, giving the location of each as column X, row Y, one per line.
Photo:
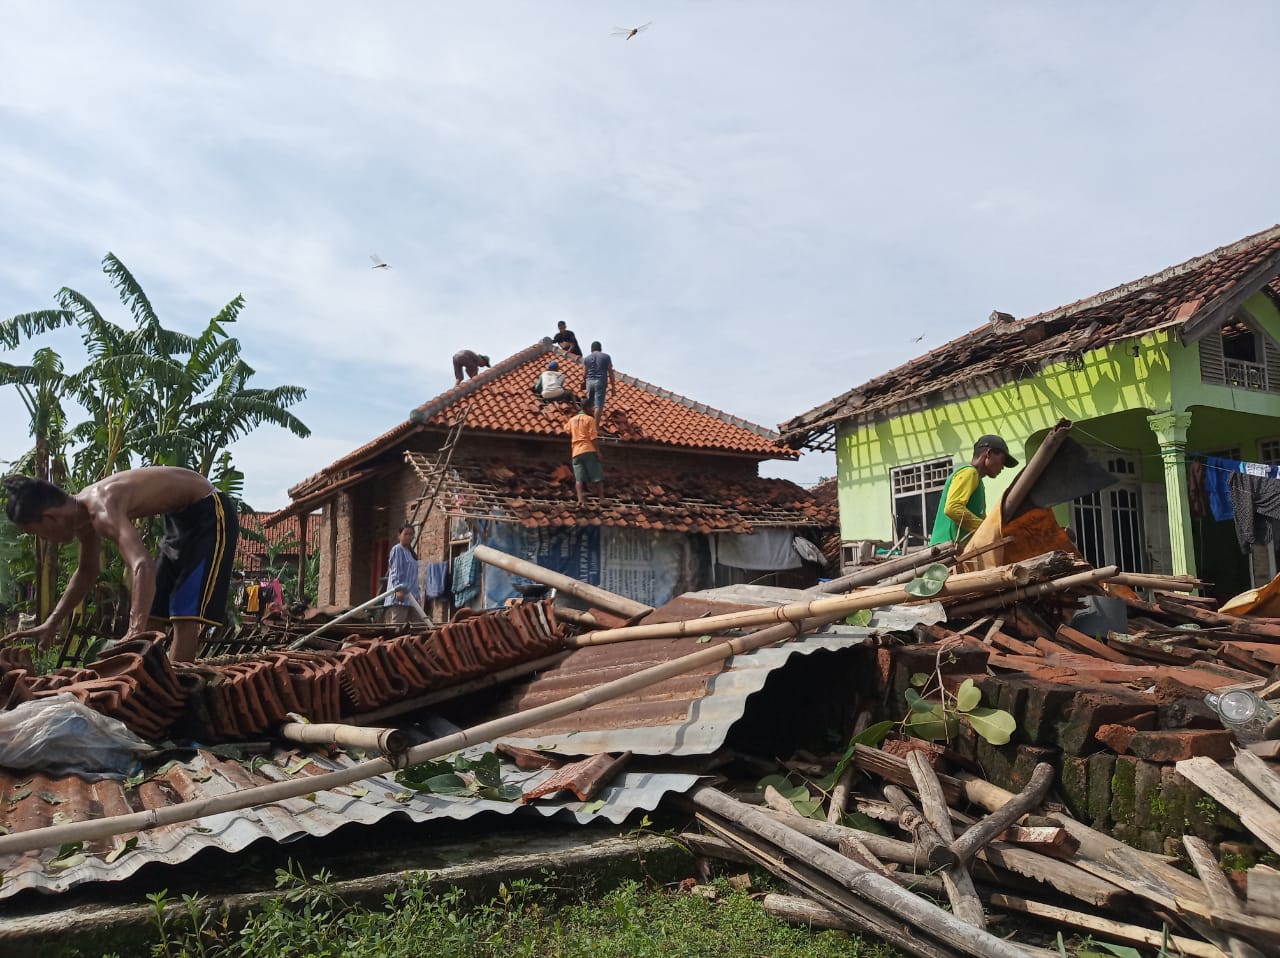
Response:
column 46, row 801
column 691, row 717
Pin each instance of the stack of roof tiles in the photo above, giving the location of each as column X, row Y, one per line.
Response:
column 234, row 700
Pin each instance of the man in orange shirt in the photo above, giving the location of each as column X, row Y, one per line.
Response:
column 586, row 457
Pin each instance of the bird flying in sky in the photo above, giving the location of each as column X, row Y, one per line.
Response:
column 916, row 339
column 625, row 33
column 377, row 262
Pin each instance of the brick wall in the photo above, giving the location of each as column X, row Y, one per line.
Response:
column 362, row 518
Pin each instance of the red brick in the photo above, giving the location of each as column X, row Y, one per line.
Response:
column 1174, row 746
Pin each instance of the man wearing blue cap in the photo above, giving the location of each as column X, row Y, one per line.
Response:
column 550, row 385
column 964, row 501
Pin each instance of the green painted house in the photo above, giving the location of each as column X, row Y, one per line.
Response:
column 1155, row 374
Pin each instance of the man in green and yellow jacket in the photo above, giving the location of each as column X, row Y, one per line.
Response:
column 964, row 501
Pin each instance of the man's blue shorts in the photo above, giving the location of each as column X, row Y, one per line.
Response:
column 597, row 389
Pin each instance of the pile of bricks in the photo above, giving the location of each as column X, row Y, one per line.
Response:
column 1112, row 721
column 250, row 696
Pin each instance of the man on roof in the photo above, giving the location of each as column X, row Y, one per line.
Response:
column 964, row 501
column 466, row 360
column 566, row 339
column 584, row 452
column 550, row 385
column 598, row 368
column 186, row 586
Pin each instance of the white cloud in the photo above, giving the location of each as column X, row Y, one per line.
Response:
column 754, row 204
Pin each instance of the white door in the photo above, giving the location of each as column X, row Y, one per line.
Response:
column 1155, row 521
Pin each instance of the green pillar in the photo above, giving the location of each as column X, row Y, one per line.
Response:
column 1171, row 433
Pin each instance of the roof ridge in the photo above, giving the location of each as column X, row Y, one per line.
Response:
column 830, row 410
column 706, row 410
column 420, row 414
column 1153, row 279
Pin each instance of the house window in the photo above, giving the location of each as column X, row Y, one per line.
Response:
column 1244, row 364
column 1108, row 523
column 1269, row 451
column 917, row 490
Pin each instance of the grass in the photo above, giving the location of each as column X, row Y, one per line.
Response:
column 524, row 920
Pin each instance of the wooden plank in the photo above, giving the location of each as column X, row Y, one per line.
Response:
column 1264, row 891
column 1087, row 643
column 894, row 769
column 1255, row 770
column 1221, row 895
column 1254, row 812
column 1107, row 928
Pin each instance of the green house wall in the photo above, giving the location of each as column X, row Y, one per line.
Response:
column 1108, row 397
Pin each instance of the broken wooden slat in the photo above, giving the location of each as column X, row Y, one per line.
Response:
column 1221, row 896
column 1260, row 775
column 894, row 769
column 1264, row 891
column 1045, row 839
column 1106, row 927
column 1087, row 643
column 1253, row 811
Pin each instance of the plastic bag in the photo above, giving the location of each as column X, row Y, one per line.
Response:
column 62, row 736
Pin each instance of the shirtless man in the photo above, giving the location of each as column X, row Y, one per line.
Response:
column 186, row 586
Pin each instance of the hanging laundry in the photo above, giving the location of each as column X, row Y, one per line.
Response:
column 1197, row 494
column 1256, row 502
column 437, row 580
column 253, row 600
column 1217, row 473
column 466, row 578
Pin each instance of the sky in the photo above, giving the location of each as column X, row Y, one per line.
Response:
column 756, row 205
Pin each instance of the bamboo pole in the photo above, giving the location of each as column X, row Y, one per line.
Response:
column 837, row 607
column 972, row 841
column 956, row 880
column 935, row 851
column 55, row 835
column 1168, row 583
column 868, row 918
column 892, row 567
column 1029, row 592
column 629, row 609
column 389, row 741
column 866, row 884
column 342, row 618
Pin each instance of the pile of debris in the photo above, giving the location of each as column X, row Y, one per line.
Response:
column 1107, row 735
column 235, row 699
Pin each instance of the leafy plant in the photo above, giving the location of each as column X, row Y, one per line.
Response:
column 940, row 719
column 929, row 582
column 462, row 778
